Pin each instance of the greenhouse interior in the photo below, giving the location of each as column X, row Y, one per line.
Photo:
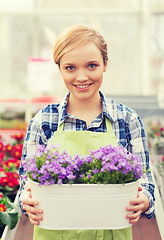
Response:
column 31, row 84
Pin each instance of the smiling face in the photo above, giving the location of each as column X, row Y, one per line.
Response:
column 82, row 70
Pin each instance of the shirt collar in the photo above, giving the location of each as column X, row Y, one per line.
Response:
column 107, row 108
column 63, row 109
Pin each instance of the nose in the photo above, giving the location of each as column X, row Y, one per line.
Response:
column 81, row 76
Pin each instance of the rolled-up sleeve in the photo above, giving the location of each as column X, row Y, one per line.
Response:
column 138, row 145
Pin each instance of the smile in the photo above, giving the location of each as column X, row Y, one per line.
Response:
column 83, row 87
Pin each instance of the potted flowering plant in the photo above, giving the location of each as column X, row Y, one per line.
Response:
column 92, row 184
column 8, row 213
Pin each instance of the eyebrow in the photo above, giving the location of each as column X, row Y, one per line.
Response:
column 73, row 64
column 92, row 61
column 68, row 64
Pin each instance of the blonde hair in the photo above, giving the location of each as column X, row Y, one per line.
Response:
column 74, row 37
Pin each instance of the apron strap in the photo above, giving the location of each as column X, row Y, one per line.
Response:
column 60, row 127
column 108, row 127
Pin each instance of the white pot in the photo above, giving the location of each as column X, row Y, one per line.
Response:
column 84, row 206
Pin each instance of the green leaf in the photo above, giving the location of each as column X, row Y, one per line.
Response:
column 9, row 218
column 9, row 204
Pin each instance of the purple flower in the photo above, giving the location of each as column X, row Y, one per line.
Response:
column 107, row 164
column 95, row 171
column 33, row 175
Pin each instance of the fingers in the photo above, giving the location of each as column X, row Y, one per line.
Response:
column 28, row 200
column 135, row 208
column 136, row 203
column 139, row 188
column 34, row 219
column 134, row 217
column 29, row 205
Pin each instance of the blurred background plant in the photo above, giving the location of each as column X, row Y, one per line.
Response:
column 156, row 136
column 10, row 154
column 160, row 166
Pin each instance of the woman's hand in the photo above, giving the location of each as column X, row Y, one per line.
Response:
column 138, row 206
column 29, row 206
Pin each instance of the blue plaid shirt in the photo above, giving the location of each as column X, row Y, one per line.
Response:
column 126, row 124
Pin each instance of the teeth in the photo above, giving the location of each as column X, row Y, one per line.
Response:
column 83, row 86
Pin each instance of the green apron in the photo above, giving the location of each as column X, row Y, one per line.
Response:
column 82, row 142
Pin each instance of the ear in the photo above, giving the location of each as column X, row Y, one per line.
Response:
column 105, row 67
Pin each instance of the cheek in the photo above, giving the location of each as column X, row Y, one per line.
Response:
column 67, row 77
column 97, row 76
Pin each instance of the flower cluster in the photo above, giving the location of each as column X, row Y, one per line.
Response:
column 19, row 137
column 8, row 180
column 10, row 154
column 10, row 150
column 156, row 130
column 107, row 165
column 8, row 212
column 156, row 137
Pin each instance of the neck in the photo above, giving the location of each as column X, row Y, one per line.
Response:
column 85, row 109
column 84, row 104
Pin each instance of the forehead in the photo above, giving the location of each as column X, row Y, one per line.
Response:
column 85, row 52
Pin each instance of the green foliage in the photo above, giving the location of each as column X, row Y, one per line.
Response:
column 10, row 216
column 9, row 219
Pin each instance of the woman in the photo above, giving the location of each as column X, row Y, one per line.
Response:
column 81, row 54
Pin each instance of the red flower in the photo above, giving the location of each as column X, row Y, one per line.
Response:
column 1, row 169
column 18, row 137
column 1, row 146
column 1, row 195
column 2, row 155
column 17, row 151
column 2, row 208
column 8, row 148
column 16, row 175
column 161, row 129
column 18, row 147
column 12, row 161
column 163, row 158
column 9, row 174
column 17, row 163
column 8, row 163
column 12, row 177
column 17, row 154
column 12, row 182
column 3, row 181
column 157, row 134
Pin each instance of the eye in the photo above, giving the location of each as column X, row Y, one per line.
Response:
column 92, row 65
column 70, row 68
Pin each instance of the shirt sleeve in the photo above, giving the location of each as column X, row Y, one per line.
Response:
column 137, row 143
